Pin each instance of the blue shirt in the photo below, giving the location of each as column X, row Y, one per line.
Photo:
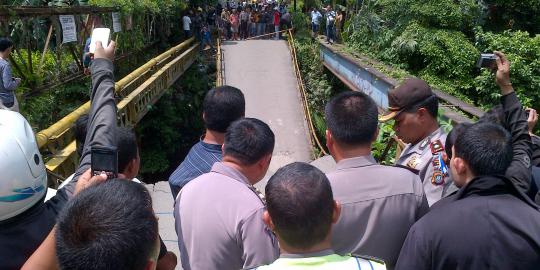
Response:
column 198, row 161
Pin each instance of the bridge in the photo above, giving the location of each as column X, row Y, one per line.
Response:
column 268, row 73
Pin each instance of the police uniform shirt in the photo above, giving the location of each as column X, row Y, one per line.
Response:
column 379, row 204
column 218, row 219
column 323, row 260
column 421, row 158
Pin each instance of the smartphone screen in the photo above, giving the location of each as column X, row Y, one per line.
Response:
column 104, row 159
column 99, row 34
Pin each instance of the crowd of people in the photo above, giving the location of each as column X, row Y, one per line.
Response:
column 463, row 200
column 333, row 23
column 238, row 22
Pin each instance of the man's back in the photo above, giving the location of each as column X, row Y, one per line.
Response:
column 477, row 228
column 326, row 260
column 379, row 205
column 198, row 161
column 219, row 223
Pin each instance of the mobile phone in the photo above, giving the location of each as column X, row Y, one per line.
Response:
column 527, row 113
column 100, row 34
column 486, row 60
column 104, row 160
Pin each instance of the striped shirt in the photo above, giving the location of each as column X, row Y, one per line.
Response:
column 198, row 161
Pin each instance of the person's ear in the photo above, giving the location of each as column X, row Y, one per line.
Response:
column 460, row 166
column 268, row 220
column 422, row 113
column 337, row 212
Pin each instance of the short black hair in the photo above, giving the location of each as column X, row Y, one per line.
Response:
column 452, row 136
column 80, row 129
column 126, row 142
column 301, row 204
column 486, row 147
column 352, row 119
column 431, row 104
column 223, row 105
column 495, row 115
column 5, row 43
column 248, row 140
column 107, row 226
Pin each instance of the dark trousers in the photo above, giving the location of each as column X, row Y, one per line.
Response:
column 330, row 33
column 243, row 30
column 187, row 34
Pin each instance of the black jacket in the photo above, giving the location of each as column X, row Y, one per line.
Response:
column 487, row 224
column 515, row 122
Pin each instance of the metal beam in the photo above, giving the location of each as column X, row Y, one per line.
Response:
column 55, row 132
column 37, row 11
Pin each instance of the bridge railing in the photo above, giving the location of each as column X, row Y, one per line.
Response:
column 359, row 74
column 140, row 89
column 307, row 111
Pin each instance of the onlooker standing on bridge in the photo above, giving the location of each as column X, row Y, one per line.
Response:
column 339, row 25
column 330, row 19
column 276, row 19
column 254, row 22
column 301, row 210
column 379, row 203
column 218, row 215
column 186, row 22
column 235, row 23
column 414, row 108
column 244, row 23
column 221, row 106
column 315, row 22
column 8, row 83
column 26, row 220
column 488, row 223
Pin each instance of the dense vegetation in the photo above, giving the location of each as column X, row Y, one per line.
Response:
column 440, row 41
column 42, row 104
column 174, row 123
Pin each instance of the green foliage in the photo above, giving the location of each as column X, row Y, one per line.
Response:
column 49, row 72
column 440, row 41
column 513, row 14
column 524, row 55
column 173, row 123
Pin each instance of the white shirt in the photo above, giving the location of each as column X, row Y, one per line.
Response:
column 187, row 21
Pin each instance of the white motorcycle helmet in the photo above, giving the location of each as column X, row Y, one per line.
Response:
column 23, row 178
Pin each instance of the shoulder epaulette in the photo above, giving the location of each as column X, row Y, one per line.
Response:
column 415, row 171
column 370, row 258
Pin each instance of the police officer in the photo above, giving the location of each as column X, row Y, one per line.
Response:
column 301, row 210
column 393, row 198
column 414, row 109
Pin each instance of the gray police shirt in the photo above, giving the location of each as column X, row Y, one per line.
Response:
column 420, row 157
column 379, row 204
column 218, row 219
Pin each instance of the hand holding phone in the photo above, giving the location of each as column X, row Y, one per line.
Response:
column 104, row 160
column 100, row 34
column 487, row 60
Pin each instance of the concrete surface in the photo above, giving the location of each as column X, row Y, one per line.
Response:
column 325, row 163
column 263, row 70
column 163, row 207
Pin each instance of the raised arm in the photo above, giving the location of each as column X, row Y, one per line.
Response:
column 102, row 117
column 516, row 123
